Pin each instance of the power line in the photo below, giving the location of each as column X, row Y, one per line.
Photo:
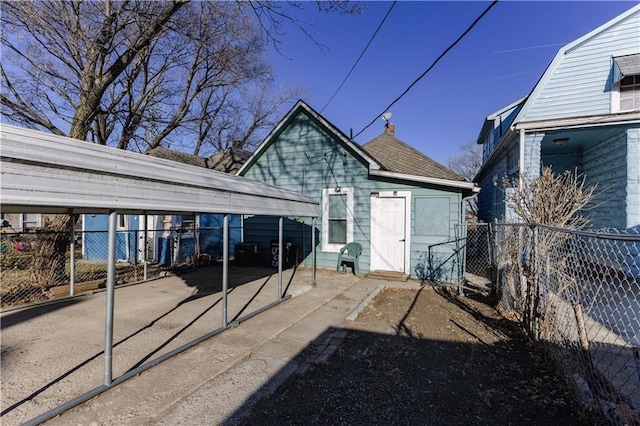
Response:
column 359, row 57
column 451, row 46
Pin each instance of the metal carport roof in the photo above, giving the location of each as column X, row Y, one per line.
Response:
column 45, row 173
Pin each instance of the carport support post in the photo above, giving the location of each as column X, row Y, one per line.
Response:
column 111, row 284
column 196, row 239
column 72, row 255
column 313, row 251
column 280, row 255
column 144, row 248
column 225, row 267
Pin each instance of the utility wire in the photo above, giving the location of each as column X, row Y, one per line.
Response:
column 431, row 66
column 359, row 57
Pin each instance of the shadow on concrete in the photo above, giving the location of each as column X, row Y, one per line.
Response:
column 206, row 281
column 18, row 316
column 467, row 377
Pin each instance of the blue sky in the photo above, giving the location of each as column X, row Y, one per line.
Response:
column 497, row 63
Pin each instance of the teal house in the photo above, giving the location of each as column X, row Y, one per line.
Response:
column 398, row 204
column 582, row 115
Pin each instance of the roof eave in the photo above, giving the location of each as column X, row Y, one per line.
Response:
column 558, row 57
column 425, row 179
column 629, row 117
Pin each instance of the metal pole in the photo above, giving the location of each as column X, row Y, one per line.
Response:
column 196, row 240
column 145, row 251
column 111, row 283
column 280, row 255
column 225, row 267
column 72, row 255
column 313, row 251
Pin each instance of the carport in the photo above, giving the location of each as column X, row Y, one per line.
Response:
column 45, row 173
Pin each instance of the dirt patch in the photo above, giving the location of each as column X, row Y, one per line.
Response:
column 425, row 357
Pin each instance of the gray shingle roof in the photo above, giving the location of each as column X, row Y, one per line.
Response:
column 229, row 160
column 398, row 157
column 181, row 157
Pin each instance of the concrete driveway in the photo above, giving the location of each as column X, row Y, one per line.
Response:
column 54, row 353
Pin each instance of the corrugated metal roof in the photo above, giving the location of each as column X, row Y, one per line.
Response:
column 398, row 157
column 46, row 173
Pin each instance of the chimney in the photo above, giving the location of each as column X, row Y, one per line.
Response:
column 390, row 128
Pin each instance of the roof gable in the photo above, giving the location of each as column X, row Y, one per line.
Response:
column 397, row 157
column 506, row 114
column 578, row 80
column 302, row 108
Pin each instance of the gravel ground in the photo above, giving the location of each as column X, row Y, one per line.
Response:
column 425, row 357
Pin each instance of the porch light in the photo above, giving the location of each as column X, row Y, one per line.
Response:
column 560, row 141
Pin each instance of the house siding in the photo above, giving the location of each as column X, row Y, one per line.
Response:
column 305, row 158
column 581, row 83
column 633, row 177
column 605, row 165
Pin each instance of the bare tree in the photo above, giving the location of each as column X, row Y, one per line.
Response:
column 556, row 200
column 467, row 164
column 136, row 74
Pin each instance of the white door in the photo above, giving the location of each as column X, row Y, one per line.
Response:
column 388, row 238
column 151, row 240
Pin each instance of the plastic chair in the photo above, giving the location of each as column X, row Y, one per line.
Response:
column 350, row 253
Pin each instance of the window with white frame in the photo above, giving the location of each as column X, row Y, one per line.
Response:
column 122, row 222
column 30, row 220
column 337, row 218
column 626, row 83
column 630, row 92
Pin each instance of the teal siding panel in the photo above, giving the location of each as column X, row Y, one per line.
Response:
column 580, row 84
column 304, row 158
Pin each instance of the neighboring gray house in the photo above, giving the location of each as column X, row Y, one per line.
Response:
column 385, row 195
column 583, row 114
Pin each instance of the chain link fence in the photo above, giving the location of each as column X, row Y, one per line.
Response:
column 140, row 256
column 578, row 295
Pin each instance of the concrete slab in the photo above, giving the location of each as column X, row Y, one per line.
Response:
column 52, row 354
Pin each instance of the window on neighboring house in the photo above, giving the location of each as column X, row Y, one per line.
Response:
column 166, row 222
column 337, row 218
column 626, row 80
column 122, row 222
column 186, row 224
column 30, row 220
column 630, row 93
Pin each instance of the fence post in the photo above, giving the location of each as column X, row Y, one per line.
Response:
column 72, row 255
column 313, row 251
column 280, row 254
column 458, row 259
column 535, row 276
